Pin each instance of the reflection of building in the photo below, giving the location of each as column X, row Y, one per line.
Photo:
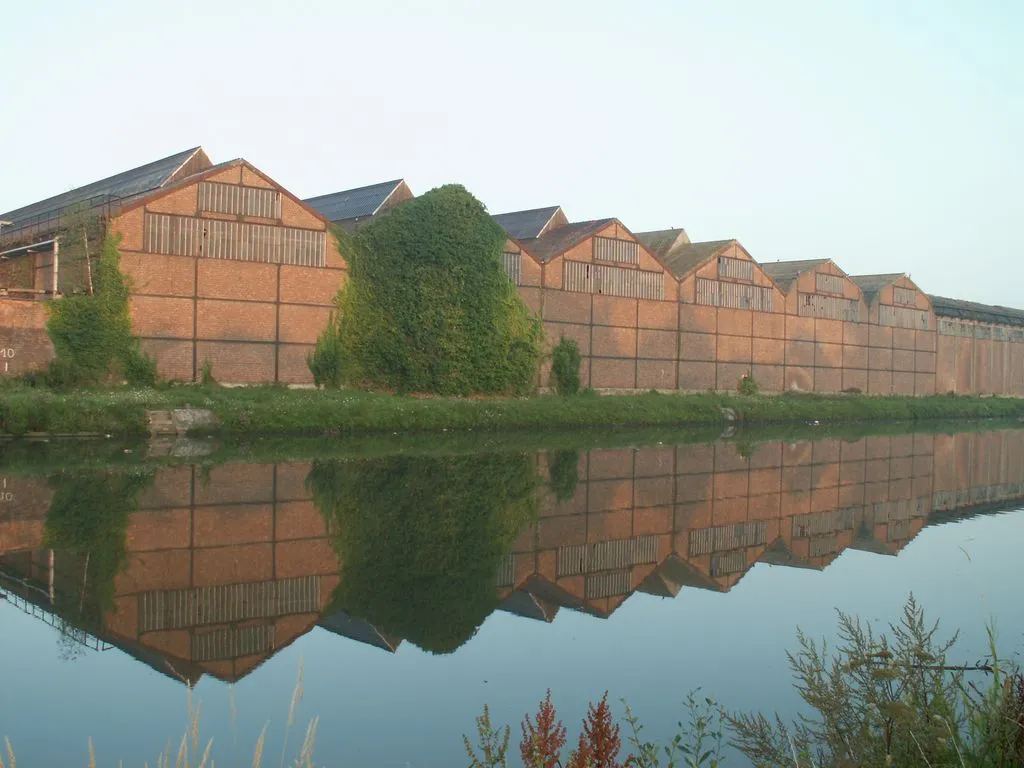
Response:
column 659, row 519
column 227, row 566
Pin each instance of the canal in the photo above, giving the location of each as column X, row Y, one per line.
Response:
column 409, row 583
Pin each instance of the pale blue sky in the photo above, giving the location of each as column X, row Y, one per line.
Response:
column 886, row 135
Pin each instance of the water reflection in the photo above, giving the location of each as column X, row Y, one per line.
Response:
column 199, row 571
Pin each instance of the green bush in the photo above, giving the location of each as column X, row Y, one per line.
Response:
column 748, row 385
column 92, row 333
column 428, row 307
column 325, row 361
column 565, row 367
column 139, row 369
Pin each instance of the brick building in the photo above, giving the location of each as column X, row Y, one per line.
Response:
column 226, row 267
column 229, row 268
column 596, row 283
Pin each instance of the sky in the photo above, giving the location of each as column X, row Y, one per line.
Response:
column 887, row 135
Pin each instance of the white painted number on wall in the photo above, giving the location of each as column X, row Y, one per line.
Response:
column 5, row 495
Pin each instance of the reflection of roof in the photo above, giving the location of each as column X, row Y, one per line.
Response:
column 778, row 553
column 527, row 224
column 558, row 241
column 529, row 606
column 785, row 272
column 130, row 183
column 346, row 625
column 972, row 310
column 673, row 574
column 354, row 203
column 678, row 253
column 872, row 284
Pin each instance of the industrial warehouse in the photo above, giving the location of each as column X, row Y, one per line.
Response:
column 233, row 274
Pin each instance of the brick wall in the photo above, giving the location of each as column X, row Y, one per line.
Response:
column 24, row 344
column 979, row 358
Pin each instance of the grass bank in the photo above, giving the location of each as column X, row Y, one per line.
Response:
column 280, row 411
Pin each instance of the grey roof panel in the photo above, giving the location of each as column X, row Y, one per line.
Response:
column 353, row 203
column 145, row 178
column 686, row 257
column 785, row 272
column 972, row 310
column 872, row 284
column 526, row 224
column 558, row 241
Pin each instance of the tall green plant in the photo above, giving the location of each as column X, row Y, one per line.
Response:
column 92, row 332
column 427, row 306
column 565, row 367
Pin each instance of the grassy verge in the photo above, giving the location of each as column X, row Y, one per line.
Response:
column 279, row 411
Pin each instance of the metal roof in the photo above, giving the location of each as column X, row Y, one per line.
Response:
column 354, row 203
column 674, row 249
column 527, row 224
column 130, row 183
column 972, row 310
column 558, row 241
column 870, row 285
column 347, row 625
column 785, row 272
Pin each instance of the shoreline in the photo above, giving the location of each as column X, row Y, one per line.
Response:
column 278, row 411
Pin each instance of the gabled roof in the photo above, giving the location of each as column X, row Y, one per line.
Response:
column 523, row 225
column 972, row 310
column 674, row 249
column 123, row 185
column 871, row 285
column 558, row 241
column 354, row 203
column 784, row 273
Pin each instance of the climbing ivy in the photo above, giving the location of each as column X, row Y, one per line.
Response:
column 91, row 332
column 428, row 307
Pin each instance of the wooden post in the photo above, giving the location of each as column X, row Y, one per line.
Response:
column 56, row 265
column 88, row 263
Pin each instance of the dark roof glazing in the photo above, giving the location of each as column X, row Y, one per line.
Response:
column 131, row 183
column 353, row 203
column 523, row 225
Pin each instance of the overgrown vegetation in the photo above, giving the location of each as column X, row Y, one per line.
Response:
column 565, row 367
column 428, row 307
column 890, row 699
column 421, row 538
column 91, row 331
column 748, row 385
column 276, row 410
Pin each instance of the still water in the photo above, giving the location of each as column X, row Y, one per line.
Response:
column 414, row 586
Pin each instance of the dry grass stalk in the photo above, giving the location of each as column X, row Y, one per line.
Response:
column 257, row 758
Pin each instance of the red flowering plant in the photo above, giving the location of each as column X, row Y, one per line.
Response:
column 543, row 738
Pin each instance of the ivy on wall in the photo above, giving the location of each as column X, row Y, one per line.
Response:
column 428, row 306
column 91, row 332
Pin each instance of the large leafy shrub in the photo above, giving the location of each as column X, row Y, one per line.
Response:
column 428, row 307
column 565, row 367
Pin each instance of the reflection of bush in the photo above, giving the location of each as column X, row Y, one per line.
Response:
column 88, row 518
column 564, row 476
column 421, row 538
